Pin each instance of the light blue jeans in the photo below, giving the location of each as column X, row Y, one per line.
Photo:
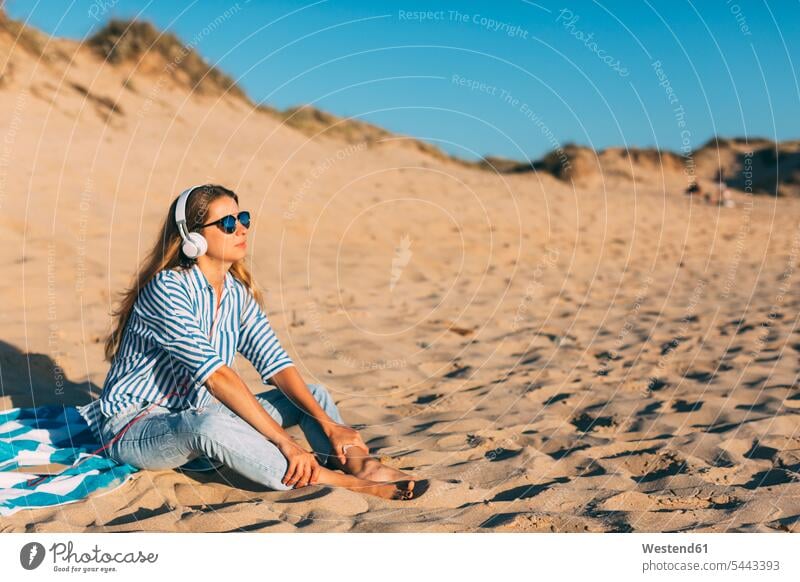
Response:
column 166, row 439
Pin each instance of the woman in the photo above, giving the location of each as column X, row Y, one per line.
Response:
column 171, row 396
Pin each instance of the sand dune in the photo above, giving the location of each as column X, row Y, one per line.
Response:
column 615, row 357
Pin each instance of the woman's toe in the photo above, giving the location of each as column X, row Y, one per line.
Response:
column 400, row 494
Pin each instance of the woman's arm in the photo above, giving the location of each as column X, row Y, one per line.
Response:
column 340, row 436
column 259, row 344
column 226, row 385
column 166, row 317
column 294, row 387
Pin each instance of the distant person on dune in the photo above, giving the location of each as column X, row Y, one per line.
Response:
column 713, row 194
column 171, row 398
column 719, row 193
column 725, row 199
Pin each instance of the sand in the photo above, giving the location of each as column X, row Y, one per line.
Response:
column 599, row 358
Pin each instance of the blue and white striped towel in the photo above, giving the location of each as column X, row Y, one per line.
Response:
column 53, row 434
column 66, row 435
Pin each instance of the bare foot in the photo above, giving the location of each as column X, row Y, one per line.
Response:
column 394, row 489
column 403, row 490
column 374, row 470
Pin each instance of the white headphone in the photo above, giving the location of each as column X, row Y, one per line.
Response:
column 194, row 243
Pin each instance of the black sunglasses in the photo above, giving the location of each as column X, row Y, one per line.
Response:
column 227, row 224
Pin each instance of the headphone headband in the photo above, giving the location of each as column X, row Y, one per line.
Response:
column 180, row 208
column 194, row 244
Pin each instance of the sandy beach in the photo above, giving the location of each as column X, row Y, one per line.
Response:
column 590, row 355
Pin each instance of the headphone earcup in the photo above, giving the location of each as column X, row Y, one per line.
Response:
column 195, row 245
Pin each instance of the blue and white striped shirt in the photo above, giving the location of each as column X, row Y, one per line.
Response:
column 172, row 343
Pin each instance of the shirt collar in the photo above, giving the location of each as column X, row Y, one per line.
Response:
column 202, row 281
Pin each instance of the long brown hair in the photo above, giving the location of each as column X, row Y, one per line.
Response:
column 167, row 254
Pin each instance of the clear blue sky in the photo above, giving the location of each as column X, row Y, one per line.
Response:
column 731, row 66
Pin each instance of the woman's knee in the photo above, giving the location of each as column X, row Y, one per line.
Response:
column 321, row 394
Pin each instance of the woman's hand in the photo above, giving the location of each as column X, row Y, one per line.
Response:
column 303, row 466
column 343, row 437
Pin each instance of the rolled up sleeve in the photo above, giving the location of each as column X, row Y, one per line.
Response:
column 165, row 309
column 258, row 342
